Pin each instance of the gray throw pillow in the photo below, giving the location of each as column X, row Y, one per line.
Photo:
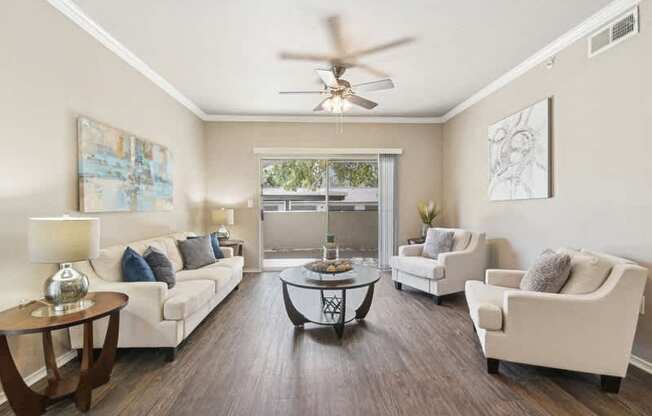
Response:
column 548, row 274
column 196, row 252
column 161, row 266
column 437, row 242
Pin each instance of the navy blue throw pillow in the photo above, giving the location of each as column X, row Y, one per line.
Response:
column 215, row 243
column 135, row 268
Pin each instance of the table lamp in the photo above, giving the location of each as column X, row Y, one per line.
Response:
column 223, row 217
column 62, row 241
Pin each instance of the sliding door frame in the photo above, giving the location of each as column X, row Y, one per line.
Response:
column 261, row 157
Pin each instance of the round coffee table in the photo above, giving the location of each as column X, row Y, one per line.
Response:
column 19, row 320
column 330, row 309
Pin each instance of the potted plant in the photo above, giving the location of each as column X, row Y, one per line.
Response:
column 428, row 212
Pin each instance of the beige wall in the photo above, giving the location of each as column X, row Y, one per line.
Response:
column 232, row 167
column 602, row 175
column 51, row 72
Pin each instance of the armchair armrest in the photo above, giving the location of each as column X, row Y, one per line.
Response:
column 227, row 251
column 413, row 250
column 504, row 278
column 591, row 333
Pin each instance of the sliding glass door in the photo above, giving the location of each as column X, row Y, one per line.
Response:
column 303, row 200
column 353, row 208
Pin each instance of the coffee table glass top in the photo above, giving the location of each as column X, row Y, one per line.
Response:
column 301, row 277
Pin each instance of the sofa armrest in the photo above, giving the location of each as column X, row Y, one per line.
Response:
column 413, row 250
column 504, row 278
column 227, row 251
column 146, row 299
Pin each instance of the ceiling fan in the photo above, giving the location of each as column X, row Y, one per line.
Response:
column 341, row 95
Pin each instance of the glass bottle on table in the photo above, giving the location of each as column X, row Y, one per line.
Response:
column 330, row 249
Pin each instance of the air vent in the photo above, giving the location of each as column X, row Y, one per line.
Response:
column 615, row 32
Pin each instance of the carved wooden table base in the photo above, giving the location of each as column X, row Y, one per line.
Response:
column 27, row 402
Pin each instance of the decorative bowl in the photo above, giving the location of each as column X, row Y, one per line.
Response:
column 330, row 267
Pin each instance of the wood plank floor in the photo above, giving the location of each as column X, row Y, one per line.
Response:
column 410, row 357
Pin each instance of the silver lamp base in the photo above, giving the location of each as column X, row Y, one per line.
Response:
column 64, row 292
column 223, row 233
column 65, row 309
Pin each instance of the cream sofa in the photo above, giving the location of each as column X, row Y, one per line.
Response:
column 447, row 274
column 592, row 333
column 157, row 316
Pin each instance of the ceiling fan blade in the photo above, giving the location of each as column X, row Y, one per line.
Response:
column 301, row 92
column 305, row 56
column 373, row 71
column 328, row 78
column 335, row 29
column 362, row 102
column 383, row 84
column 379, row 48
column 320, row 106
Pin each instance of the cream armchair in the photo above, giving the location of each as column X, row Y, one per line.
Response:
column 447, row 274
column 591, row 333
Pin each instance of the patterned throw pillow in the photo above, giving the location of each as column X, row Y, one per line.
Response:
column 135, row 268
column 196, row 252
column 548, row 274
column 437, row 242
column 161, row 266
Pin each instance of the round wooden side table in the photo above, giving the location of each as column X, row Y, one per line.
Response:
column 19, row 320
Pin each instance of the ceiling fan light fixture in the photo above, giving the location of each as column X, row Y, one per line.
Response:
column 336, row 104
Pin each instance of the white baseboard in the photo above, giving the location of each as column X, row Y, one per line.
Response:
column 42, row 372
column 638, row 362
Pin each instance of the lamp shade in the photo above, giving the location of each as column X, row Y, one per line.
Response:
column 223, row 216
column 63, row 239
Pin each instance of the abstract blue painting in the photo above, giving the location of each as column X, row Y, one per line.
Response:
column 121, row 172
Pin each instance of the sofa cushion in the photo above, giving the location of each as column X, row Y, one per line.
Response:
column 419, row 266
column 461, row 239
column 548, row 273
column 437, row 241
column 485, row 304
column 588, row 272
column 108, row 265
column 141, row 246
column 135, row 268
column 608, row 257
column 160, row 265
column 220, row 275
column 234, row 262
column 196, row 252
column 187, row 297
column 172, row 251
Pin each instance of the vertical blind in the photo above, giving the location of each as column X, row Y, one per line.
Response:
column 387, row 210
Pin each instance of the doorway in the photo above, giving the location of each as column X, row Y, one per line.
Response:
column 305, row 199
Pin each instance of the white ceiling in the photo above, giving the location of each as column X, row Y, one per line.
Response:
column 223, row 55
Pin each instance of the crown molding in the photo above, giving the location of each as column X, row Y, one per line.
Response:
column 318, row 151
column 603, row 16
column 323, row 119
column 69, row 9
column 609, row 12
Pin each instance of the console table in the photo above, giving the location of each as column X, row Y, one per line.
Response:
column 235, row 244
column 19, row 320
